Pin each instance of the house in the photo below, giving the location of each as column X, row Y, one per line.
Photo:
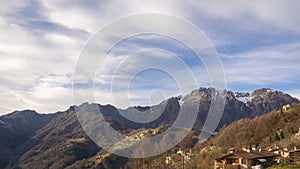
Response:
column 168, row 160
column 285, row 152
column 286, row 107
column 276, row 151
column 253, row 147
column 294, row 155
column 245, row 160
column 297, row 135
column 180, row 152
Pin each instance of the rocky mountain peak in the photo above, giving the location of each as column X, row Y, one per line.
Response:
column 262, row 91
column 21, row 114
column 63, row 129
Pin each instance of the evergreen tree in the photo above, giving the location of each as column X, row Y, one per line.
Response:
column 277, row 138
column 281, row 134
column 270, row 140
column 292, row 130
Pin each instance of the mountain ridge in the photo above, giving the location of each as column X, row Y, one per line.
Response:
column 62, row 129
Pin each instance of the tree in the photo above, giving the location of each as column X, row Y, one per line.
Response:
column 292, row 130
column 281, row 111
column 281, row 134
column 277, row 138
column 270, row 140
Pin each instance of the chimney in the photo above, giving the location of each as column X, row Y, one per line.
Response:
column 231, row 150
column 244, row 148
column 248, row 149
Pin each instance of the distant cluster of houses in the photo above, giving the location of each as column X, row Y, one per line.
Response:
column 286, row 107
column 286, row 152
column 297, row 135
column 179, row 156
column 136, row 137
column 249, row 157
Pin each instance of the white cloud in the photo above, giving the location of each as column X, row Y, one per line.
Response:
column 267, row 65
column 13, row 5
column 129, row 75
column 253, row 15
column 43, row 97
column 35, row 68
column 36, row 63
column 91, row 17
column 294, row 93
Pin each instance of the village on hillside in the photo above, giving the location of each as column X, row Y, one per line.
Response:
column 251, row 157
column 245, row 157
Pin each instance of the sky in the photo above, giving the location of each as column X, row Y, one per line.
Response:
column 258, row 43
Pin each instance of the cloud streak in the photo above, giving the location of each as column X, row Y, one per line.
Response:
column 258, row 42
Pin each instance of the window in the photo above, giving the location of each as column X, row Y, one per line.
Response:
column 232, row 160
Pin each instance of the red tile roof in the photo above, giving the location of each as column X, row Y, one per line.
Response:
column 250, row 155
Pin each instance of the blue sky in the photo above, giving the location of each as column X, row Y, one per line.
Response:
column 41, row 41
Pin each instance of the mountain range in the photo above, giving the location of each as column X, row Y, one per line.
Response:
column 33, row 140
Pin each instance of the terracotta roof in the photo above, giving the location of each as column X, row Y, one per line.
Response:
column 293, row 151
column 250, row 155
column 247, row 155
column 223, row 156
column 267, row 154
